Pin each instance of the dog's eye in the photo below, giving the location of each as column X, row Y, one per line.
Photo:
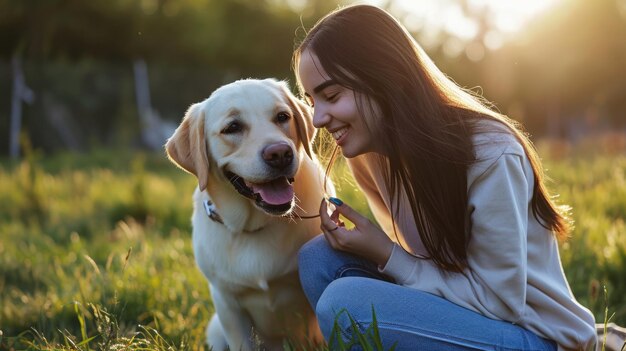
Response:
column 282, row 117
column 233, row 127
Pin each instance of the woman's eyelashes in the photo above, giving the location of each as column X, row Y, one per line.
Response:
column 327, row 96
column 332, row 97
column 331, row 94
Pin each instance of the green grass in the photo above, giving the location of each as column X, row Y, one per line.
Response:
column 95, row 249
column 595, row 256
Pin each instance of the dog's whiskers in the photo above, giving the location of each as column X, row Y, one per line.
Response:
column 295, row 215
column 297, row 201
column 299, row 209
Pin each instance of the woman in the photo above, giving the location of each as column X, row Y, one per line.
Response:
column 466, row 254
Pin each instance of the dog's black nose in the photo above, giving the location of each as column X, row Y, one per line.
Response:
column 279, row 155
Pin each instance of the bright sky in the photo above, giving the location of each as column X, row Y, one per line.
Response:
column 507, row 15
column 506, row 18
column 431, row 17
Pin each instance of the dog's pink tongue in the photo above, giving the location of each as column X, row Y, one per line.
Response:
column 276, row 192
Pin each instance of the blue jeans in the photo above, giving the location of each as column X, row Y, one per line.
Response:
column 335, row 281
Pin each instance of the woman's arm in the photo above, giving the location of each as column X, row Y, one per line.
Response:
column 495, row 283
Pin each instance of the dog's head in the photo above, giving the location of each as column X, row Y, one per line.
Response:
column 251, row 133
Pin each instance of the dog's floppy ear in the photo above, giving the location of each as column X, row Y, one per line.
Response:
column 187, row 146
column 303, row 119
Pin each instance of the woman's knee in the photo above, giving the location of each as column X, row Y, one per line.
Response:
column 340, row 304
column 314, row 245
column 312, row 259
column 312, row 252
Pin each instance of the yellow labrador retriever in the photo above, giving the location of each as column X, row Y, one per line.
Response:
column 249, row 145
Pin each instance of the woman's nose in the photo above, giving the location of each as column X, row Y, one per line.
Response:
column 320, row 117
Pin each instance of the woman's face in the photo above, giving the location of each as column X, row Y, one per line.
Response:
column 334, row 108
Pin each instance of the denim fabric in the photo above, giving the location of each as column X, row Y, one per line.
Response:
column 335, row 283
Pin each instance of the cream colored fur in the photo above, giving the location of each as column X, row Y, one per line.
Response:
column 250, row 260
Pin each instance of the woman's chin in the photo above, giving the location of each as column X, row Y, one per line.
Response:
column 348, row 153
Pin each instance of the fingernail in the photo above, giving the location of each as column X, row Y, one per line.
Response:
column 335, row 201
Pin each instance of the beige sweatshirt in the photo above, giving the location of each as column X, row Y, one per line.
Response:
column 516, row 273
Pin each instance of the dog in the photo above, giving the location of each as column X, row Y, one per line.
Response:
column 249, row 145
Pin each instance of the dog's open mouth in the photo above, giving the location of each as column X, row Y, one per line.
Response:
column 275, row 197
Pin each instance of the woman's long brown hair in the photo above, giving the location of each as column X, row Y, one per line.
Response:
column 423, row 121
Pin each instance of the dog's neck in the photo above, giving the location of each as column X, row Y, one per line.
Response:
column 247, row 219
column 211, row 211
column 213, row 215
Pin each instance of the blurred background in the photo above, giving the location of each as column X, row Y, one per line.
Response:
column 94, row 221
column 120, row 72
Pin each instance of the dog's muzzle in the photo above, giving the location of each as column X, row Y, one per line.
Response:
column 274, row 197
column 278, row 156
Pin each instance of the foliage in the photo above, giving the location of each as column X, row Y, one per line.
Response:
column 95, row 248
column 77, row 58
column 238, row 36
column 595, row 255
column 367, row 339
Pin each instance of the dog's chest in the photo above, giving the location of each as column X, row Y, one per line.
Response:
column 275, row 309
column 246, row 261
column 274, row 296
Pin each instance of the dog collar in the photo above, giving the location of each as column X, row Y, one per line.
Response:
column 209, row 207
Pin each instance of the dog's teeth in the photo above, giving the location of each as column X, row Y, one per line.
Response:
column 263, row 285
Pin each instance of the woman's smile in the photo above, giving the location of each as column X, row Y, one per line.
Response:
column 335, row 108
column 339, row 135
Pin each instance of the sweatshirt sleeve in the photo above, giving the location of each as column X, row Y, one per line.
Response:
column 495, row 283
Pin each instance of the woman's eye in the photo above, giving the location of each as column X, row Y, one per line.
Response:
column 282, row 117
column 332, row 97
column 233, row 127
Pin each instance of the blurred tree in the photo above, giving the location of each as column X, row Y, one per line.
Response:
column 570, row 64
column 43, row 29
column 79, row 54
column 243, row 36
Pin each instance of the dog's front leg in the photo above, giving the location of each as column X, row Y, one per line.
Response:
column 235, row 322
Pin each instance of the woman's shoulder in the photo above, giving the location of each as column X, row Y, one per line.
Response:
column 493, row 142
column 493, row 138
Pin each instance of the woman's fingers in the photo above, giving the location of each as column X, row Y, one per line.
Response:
column 342, row 208
column 335, row 217
column 328, row 222
column 330, row 238
column 366, row 239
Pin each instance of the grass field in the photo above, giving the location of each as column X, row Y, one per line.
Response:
column 95, row 248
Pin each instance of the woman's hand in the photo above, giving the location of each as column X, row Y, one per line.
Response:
column 365, row 239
